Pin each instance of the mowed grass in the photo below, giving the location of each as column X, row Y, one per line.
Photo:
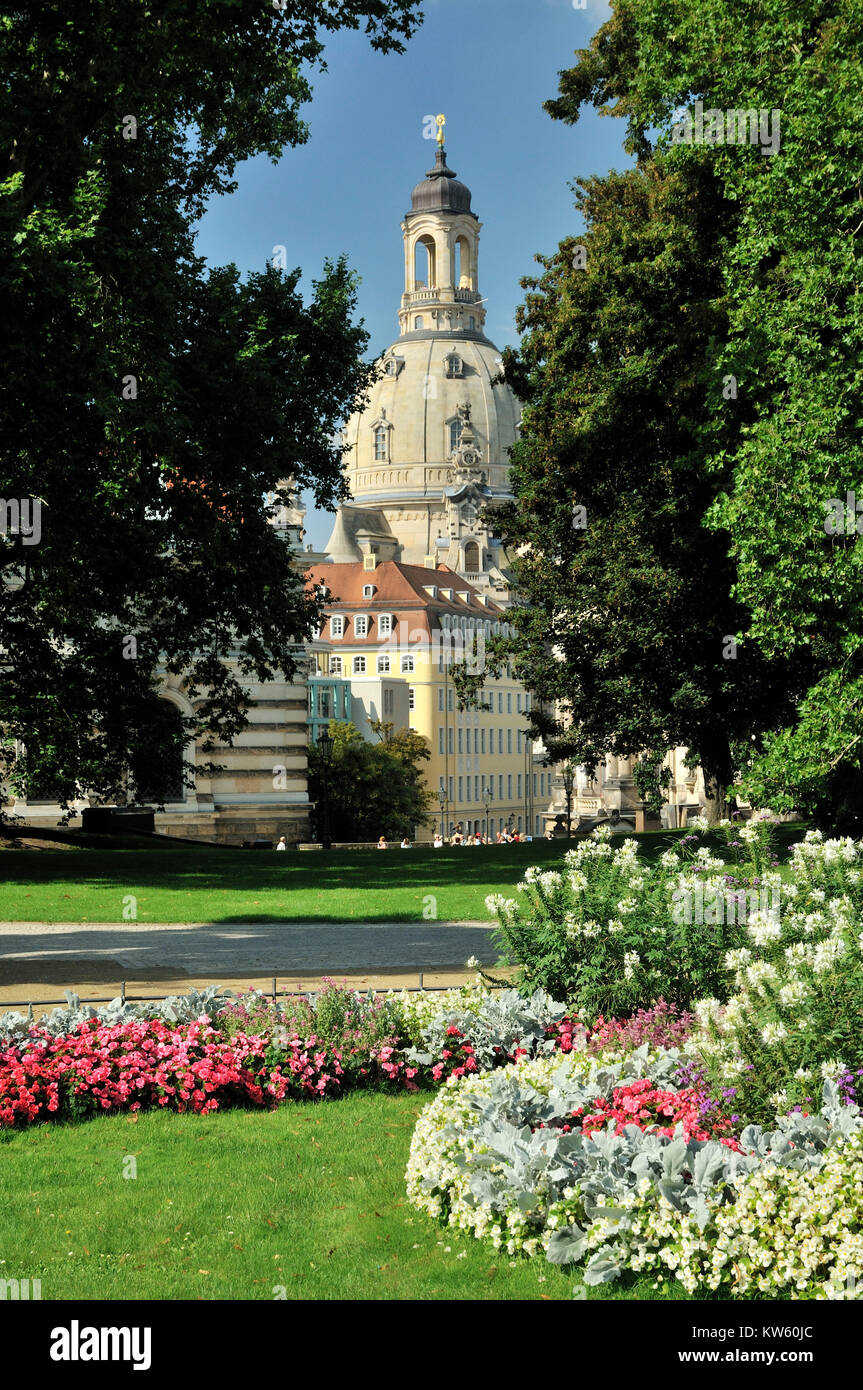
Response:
column 309, row 1199
column 188, row 884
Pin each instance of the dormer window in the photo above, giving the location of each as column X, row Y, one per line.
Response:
column 361, row 625
column 385, row 624
column 368, row 590
column 454, row 365
column 381, row 437
column 337, row 626
column 393, row 365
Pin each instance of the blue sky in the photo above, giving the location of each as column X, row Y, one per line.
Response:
column 488, row 65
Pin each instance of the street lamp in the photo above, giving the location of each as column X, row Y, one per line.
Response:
column 488, row 800
column 325, row 748
column 441, row 796
column 568, row 780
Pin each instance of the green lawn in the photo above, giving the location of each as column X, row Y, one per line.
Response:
column 188, row 884
column 309, row 1197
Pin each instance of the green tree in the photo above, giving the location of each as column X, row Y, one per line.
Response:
column 787, row 452
column 372, row 789
column 148, row 407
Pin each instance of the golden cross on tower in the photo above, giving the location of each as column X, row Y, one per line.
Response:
column 440, row 122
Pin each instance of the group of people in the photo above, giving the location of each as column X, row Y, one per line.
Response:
column 459, row 837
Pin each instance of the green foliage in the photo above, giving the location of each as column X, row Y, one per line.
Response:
column 695, row 388
column 149, row 405
column 371, row 789
column 795, row 1012
column 604, row 934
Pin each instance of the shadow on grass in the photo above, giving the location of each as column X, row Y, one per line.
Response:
column 198, row 871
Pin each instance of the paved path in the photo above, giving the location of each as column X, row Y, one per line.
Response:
column 226, row 948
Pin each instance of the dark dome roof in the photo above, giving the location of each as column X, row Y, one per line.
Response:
column 440, row 190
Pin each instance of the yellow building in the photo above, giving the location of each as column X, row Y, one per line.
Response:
column 391, row 626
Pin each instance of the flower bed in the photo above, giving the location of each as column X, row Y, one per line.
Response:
column 499, row 1157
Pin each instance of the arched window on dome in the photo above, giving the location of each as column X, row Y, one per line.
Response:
column 471, row 558
column 454, row 434
column 418, row 321
column 454, row 365
column 380, row 443
column 424, row 263
column 471, row 323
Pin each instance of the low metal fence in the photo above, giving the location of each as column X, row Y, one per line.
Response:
column 274, row 993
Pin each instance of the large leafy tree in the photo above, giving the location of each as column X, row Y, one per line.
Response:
column 371, row 789
column 149, row 406
column 753, row 403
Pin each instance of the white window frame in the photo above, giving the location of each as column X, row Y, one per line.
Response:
column 361, row 625
column 385, row 625
column 337, row 626
column 408, row 665
column 335, row 666
column 384, row 664
column 359, row 666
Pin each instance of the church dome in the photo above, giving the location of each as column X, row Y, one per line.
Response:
column 440, row 190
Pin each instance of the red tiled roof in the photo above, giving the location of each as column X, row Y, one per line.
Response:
column 398, row 585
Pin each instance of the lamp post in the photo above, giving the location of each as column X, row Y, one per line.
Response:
column 441, row 796
column 488, row 800
column 568, row 780
column 325, row 748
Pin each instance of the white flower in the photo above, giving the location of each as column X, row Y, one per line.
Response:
column 669, row 859
column 471, row 963
column 774, row 1033
column 763, row 928
column 630, row 960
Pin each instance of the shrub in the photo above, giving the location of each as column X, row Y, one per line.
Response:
column 610, row 934
column 796, row 1013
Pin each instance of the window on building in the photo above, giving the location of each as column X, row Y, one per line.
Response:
column 509, row 786
column 381, row 444
column 461, row 789
column 509, row 702
column 518, row 787
column 385, row 624
column 384, row 664
column 411, row 698
column 476, row 788
column 471, row 558
column 534, row 784
column 359, row 666
column 453, row 365
column 518, row 703
column 337, row 625
column 509, row 740
column 449, row 739
column 368, row 591
column 418, row 322
column 471, row 323
column 449, row 700
column 335, row 665
column 500, row 702
column 500, row 786
column 542, row 784
column 519, row 825
column 518, row 740
column 454, row 434
column 407, row 663
column 460, row 741
column 450, row 783
column 500, row 740
column 482, row 740
column 440, row 740
column 361, row 626
column 388, row 701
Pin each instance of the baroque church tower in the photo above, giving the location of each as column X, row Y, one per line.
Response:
column 427, row 458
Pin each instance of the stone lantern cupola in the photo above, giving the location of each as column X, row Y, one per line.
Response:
column 441, row 240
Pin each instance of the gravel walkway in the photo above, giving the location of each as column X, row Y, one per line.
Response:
column 227, row 948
